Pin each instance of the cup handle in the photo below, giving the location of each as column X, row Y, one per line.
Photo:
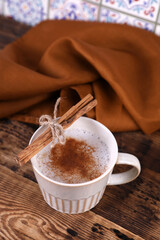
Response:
column 128, row 176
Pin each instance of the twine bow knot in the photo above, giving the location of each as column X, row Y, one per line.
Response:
column 56, row 128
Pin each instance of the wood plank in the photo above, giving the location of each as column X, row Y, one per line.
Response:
column 145, row 147
column 132, row 205
column 10, row 30
column 137, row 205
column 20, row 218
column 14, row 136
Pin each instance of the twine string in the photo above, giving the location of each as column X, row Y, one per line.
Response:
column 56, row 128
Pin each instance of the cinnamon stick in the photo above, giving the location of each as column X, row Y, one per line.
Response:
column 81, row 108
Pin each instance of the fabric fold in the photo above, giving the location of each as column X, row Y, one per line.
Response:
column 118, row 64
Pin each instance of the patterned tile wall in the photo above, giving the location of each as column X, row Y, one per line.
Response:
column 140, row 13
column 1, row 6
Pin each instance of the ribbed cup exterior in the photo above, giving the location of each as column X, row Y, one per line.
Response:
column 78, row 198
column 72, row 199
column 72, row 206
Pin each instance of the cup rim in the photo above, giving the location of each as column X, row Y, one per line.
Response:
column 109, row 169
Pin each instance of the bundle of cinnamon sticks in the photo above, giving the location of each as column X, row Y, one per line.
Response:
column 81, row 108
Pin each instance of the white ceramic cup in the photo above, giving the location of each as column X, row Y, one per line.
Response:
column 81, row 197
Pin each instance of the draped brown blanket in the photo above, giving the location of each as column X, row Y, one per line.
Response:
column 118, row 64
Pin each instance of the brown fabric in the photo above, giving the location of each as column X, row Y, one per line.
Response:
column 119, row 64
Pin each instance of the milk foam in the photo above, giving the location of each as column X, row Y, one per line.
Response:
column 101, row 155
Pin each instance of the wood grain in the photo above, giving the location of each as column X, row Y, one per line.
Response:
column 14, row 136
column 22, row 219
column 134, row 206
column 145, row 147
column 10, row 30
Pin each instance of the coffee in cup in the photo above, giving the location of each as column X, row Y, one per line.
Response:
column 82, row 158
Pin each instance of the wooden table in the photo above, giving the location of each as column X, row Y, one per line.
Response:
column 127, row 212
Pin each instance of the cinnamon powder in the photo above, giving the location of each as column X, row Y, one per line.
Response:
column 75, row 157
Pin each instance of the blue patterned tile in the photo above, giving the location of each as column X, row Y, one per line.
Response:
column 73, row 10
column 1, row 7
column 108, row 15
column 63, row 9
column 147, row 9
column 95, row 1
column 27, row 11
column 90, row 11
